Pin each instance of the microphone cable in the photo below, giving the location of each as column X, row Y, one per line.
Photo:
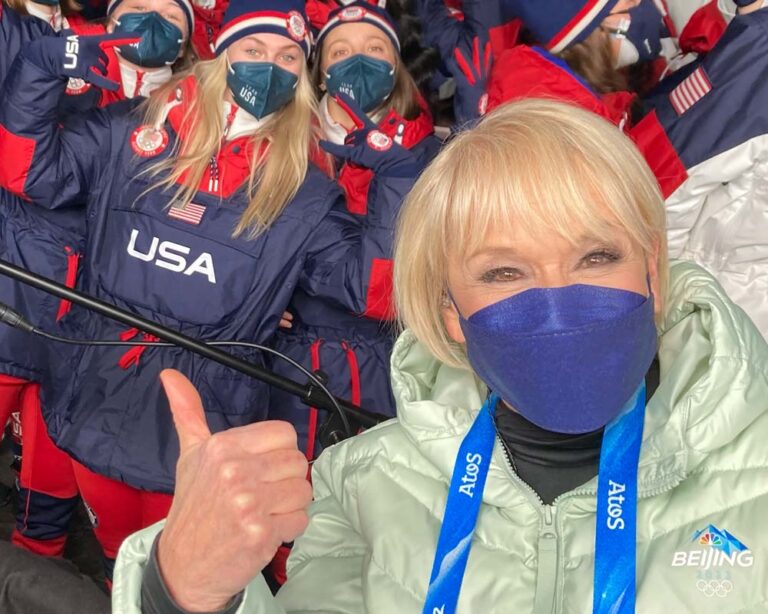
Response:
column 13, row 318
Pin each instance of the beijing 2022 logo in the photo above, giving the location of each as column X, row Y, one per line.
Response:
column 719, row 554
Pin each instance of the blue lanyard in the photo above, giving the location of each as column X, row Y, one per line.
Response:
column 615, row 541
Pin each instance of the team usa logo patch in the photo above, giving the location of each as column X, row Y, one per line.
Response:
column 690, row 91
column 353, row 13
column 297, row 27
column 76, row 87
column 379, row 141
column 148, row 141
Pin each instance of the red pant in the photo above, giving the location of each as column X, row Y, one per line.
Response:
column 47, row 487
column 11, row 389
column 117, row 510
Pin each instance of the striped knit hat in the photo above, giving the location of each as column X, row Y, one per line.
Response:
column 186, row 6
column 246, row 17
column 558, row 24
column 364, row 12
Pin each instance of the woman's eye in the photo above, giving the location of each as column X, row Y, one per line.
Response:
column 252, row 52
column 600, row 257
column 338, row 53
column 501, row 274
column 376, row 49
column 289, row 58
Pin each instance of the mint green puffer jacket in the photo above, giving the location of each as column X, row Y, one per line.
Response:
column 703, row 481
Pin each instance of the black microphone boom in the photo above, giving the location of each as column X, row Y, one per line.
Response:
column 309, row 394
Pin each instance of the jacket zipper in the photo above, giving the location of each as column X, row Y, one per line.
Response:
column 213, row 174
column 546, row 578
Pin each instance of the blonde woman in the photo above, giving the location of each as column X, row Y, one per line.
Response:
column 204, row 214
column 531, row 258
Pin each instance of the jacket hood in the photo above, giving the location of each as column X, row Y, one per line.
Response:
column 713, row 387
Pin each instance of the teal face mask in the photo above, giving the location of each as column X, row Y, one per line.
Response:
column 368, row 81
column 160, row 43
column 261, row 88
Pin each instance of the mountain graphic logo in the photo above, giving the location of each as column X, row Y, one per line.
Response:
column 719, row 539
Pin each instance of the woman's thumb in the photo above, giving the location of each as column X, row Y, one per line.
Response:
column 187, row 409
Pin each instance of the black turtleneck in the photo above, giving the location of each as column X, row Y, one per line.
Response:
column 554, row 463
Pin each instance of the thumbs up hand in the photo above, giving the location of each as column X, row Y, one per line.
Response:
column 239, row 495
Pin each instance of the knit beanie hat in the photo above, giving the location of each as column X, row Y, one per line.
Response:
column 246, row 17
column 185, row 5
column 364, row 12
column 558, row 24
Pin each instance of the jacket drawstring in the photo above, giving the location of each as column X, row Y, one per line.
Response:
column 354, row 375
column 73, row 259
column 312, row 428
column 133, row 354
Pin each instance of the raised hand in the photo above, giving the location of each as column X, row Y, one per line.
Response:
column 471, row 66
column 72, row 56
column 239, row 495
column 368, row 147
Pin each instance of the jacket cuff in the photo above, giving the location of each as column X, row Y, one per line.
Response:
column 155, row 597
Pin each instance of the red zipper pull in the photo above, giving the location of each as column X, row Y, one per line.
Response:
column 139, row 83
column 230, row 119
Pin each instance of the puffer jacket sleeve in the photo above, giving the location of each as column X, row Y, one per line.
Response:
column 324, row 569
column 132, row 560
column 349, row 262
column 15, row 31
column 349, row 258
column 43, row 162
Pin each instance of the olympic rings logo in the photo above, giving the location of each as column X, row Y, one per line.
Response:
column 715, row 588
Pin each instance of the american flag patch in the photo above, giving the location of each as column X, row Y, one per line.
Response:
column 690, row 91
column 192, row 213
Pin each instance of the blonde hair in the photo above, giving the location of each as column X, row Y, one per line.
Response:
column 545, row 165
column 277, row 171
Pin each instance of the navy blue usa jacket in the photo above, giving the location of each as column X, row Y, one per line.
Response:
column 44, row 241
column 351, row 349
column 182, row 269
column 48, row 242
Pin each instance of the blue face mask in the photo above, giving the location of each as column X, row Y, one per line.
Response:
column 567, row 359
column 261, row 88
column 160, row 42
column 641, row 40
column 367, row 81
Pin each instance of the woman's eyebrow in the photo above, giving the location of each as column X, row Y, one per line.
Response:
column 493, row 250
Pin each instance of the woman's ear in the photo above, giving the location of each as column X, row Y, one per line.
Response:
column 451, row 321
column 653, row 278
